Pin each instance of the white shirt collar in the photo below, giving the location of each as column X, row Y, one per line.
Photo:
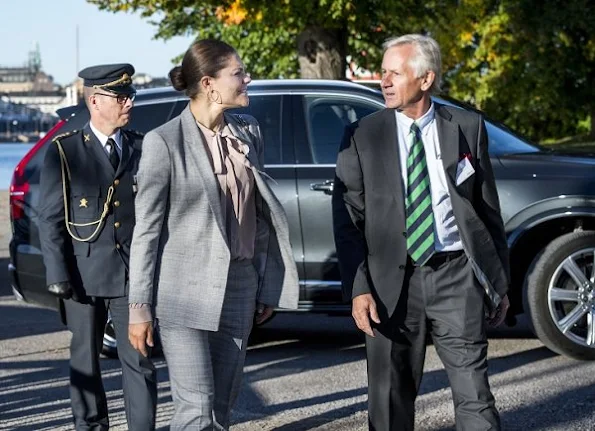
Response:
column 117, row 136
column 405, row 122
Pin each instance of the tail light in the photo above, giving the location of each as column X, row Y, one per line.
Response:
column 19, row 187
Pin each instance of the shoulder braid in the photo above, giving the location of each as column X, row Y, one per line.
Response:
column 64, row 135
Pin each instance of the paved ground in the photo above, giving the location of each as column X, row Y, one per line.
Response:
column 304, row 372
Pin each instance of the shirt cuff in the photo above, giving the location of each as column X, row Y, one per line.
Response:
column 139, row 313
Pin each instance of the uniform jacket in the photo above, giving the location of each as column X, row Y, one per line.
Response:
column 369, row 209
column 97, row 267
column 180, row 256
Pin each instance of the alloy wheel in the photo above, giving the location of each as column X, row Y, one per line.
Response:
column 571, row 297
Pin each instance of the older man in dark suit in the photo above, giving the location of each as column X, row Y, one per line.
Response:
column 420, row 241
column 86, row 224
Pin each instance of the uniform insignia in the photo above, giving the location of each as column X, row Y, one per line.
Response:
column 87, row 138
column 64, row 135
column 83, row 203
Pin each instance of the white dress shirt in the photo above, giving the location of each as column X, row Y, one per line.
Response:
column 117, row 137
column 446, row 233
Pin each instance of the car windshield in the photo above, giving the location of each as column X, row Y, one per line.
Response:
column 502, row 140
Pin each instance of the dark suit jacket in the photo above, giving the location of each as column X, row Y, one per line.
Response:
column 97, row 267
column 369, row 209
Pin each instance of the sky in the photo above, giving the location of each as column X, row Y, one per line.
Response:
column 104, row 37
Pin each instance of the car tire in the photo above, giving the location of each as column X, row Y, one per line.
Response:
column 562, row 315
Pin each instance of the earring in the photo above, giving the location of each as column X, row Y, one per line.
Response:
column 215, row 97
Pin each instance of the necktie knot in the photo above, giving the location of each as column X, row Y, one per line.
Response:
column 415, row 130
column 113, row 155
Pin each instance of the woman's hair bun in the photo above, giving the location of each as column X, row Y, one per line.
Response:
column 176, row 76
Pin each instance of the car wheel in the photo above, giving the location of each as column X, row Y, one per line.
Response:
column 109, row 348
column 560, row 295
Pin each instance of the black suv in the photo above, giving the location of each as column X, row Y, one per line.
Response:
column 547, row 199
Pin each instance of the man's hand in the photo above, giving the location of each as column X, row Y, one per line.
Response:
column 262, row 313
column 363, row 309
column 62, row 289
column 141, row 336
column 499, row 313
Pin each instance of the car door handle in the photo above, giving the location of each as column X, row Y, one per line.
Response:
column 326, row 187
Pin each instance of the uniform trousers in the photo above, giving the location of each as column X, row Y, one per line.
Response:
column 206, row 367
column 87, row 322
column 442, row 299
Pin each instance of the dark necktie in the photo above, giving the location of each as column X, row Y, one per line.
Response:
column 114, row 158
column 420, row 218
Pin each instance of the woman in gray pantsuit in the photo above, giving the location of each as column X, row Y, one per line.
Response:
column 210, row 252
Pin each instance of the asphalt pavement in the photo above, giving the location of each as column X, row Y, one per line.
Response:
column 303, row 372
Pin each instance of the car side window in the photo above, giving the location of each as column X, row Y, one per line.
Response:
column 326, row 118
column 150, row 116
column 268, row 112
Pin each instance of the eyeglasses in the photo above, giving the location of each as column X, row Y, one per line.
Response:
column 120, row 98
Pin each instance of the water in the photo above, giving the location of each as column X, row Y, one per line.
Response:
column 10, row 155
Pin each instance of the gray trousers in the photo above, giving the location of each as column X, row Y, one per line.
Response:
column 205, row 368
column 87, row 322
column 446, row 302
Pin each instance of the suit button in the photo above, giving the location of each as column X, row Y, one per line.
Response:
column 118, row 246
column 117, row 224
column 116, row 182
column 401, row 266
column 117, row 203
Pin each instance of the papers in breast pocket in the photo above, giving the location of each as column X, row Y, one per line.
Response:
column 464, row 170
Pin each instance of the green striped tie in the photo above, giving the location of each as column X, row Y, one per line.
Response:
column 418, row 202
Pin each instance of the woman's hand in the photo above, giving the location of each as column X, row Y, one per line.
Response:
column 141, row 336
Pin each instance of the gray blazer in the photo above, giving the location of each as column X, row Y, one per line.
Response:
column 179, row 256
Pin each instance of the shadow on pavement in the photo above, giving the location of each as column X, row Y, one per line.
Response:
column 555, row 411
column 300, row 344
column 37, row 391
column 21, row 321
column 38, row 394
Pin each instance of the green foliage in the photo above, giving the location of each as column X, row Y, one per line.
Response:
column 265, row 31
column 527, row 63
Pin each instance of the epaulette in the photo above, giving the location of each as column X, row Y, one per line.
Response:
column 64, row 135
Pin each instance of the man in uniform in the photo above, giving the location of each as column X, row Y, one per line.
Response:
column 86, row 223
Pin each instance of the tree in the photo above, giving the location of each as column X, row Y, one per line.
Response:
column 559, row 56
column 289, row 38
column 527, row 63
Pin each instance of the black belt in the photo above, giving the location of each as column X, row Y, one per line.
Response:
column 440, row 257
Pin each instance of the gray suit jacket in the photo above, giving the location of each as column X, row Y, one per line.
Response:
column 180, row 256
column 369, row 208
